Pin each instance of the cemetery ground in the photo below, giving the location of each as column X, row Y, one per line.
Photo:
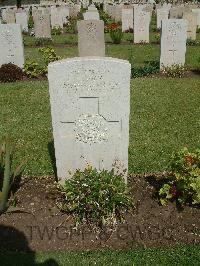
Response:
column 164, row 118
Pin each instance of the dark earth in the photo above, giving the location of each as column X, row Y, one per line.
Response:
column 37, row 224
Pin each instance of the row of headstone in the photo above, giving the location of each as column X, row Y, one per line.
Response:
column 18, row 16
column 173, row 42
column 173, row 39
column 11, row 45
column 181, row 12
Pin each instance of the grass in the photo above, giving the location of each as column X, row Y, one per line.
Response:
column 164, row 118
column 183, row 256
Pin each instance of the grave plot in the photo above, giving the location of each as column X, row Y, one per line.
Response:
column 105, row 127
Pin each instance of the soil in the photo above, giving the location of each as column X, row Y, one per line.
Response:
column 36, row 224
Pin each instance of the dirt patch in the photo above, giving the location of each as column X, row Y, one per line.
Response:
column 37, row 224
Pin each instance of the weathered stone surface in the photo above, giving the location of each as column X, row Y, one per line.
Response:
column 91, row 15
column 65, row 14
column 161, row 14
column 176, row 12
column 197, row 12
column 10, row 16
column 90, row 105
column 127, row 19
column 56, row 17
column 141, row 26
column 173, row 42
column 192, row 24
column 11, row 45
column 91, row 38
column 22, row 19
column 42, row 26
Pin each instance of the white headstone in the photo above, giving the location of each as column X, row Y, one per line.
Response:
column 42, row 26
column 161, row 14
column 173, row 42
column 11, row 45
column 91, row 15
column 10, row 16
column 141, row 26
column 192, row 24
column 22, row 19
column 56, row 17
column 65, row 14
column 197, row 12
column 127, row 19
column 91, row 38
column 90, row 105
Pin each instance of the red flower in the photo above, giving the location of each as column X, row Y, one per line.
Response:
column 189, row 159
column 113, row 26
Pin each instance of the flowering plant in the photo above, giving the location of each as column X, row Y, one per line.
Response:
column 116, row 33
column 184, row 178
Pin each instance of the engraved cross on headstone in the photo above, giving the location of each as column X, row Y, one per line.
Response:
column 173, row 51
column 90, row 126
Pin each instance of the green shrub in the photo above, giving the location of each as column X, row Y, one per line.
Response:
column 105, row 17
column 98, row 197
column 7, row 176
column 32, row 69
column 56, row 31
column 157, row 38
column 191, row 42
column 150, row 67
column 30, row 22
column 10, row 73
column 72, row 25
column 42, row 41
column 116, row 35
column 174, row 71
column 49, row 55
column 183, row 184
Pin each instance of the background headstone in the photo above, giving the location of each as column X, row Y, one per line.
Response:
column 141, row 26
column 42, row 26
column 56, row 18
column 22, row 19
column 127, row 19
column 91, row 38
column 173, row 42
column 192, row 24
column 161, row 14
column 11, row 45
column 10, row 16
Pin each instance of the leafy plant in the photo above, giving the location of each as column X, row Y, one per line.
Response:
column 49, row 55
column 10, row 73
column 183, row 183
column 56, row 31
column 42, row 41
column 105, row 17
column 32, row 69
column 7, row 176
column 191, row 42
column 72, row 25
column 116, row 33
column 174, row 71
column 30, row 22
column 98, row 197
column 150, row 67
column 157, row 38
